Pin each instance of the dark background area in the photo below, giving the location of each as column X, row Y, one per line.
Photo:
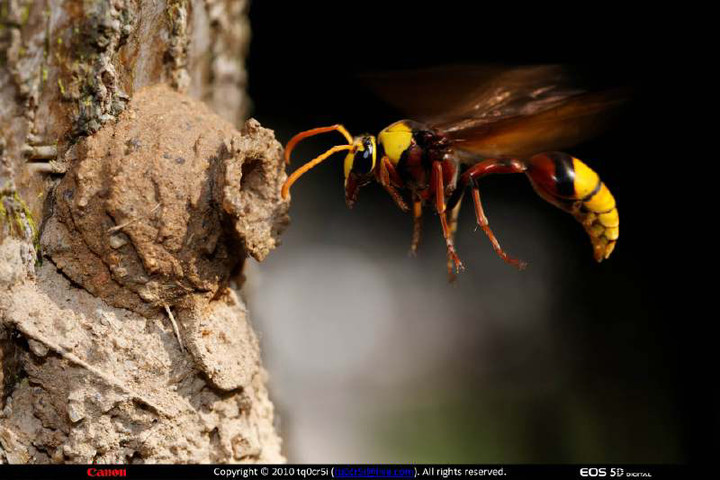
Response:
column 621, row 355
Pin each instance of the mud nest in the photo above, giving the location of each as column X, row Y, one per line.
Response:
column 164, row 205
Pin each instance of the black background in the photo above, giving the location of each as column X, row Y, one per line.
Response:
column 303, row 67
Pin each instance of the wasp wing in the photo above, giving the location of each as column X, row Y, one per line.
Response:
column 428, row 94
column 508, row 93
column 521, row 130
column 443, row 94
column 495, row 110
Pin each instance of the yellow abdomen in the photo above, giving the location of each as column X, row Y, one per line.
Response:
column 596, row 210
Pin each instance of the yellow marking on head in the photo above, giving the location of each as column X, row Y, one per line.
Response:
column 349, row 158
column 585, row 179
column 395, row 139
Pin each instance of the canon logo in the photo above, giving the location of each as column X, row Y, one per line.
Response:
column 106, row 472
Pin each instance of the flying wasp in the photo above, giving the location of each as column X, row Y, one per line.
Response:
column 502, row 126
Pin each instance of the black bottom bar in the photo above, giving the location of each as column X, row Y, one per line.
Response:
column 222, row 472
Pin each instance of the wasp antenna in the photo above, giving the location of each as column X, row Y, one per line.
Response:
column 300, row 171
column 315, row 131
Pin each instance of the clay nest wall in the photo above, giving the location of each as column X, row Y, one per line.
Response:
column 128, row 341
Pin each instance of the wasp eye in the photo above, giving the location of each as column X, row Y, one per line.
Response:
column 363, row 161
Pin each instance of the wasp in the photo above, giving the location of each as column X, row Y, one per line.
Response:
column 514, row 123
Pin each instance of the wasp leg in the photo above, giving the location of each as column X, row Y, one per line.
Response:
column 315, row 131
column 470, row 179
column 482, row 221
column 454, row 213
column 437, row 179
column 389, row 176
column 417, row 225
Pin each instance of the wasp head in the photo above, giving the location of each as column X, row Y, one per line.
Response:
column 359, row 166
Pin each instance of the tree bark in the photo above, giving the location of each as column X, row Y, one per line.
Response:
column 128, row 205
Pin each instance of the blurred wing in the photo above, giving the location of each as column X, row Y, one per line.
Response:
column 443, row 95
column 552, row 122
column 510, row 93
column 499, row 111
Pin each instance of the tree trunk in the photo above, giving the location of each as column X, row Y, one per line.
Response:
column 128, row 205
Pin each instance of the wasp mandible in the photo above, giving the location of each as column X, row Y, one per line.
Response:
column 501, row 128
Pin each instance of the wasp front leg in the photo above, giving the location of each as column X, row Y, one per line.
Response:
column 388, row 177
column 438, row 185
column 417, row 225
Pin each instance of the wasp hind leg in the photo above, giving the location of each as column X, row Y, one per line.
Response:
column 469, row 179
column 482, row 221
column 454, row 213
column 437, row 178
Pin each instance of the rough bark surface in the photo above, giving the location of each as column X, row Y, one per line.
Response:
column 128, row 204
